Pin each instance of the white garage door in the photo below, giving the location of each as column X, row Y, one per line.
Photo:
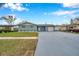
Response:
column 50, row 29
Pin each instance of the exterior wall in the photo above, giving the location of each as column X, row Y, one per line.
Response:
column 75, row 26
column 63, row 28
column 6, row 28
column 27, row 27
column 1, row 28
column 57, row 28
column 15, row 28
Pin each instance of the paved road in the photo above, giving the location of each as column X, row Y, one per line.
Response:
column 57, row 44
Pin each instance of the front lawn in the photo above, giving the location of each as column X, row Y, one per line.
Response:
column 19, row 34
column 19, row 47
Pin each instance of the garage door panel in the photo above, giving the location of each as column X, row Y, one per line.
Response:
column 50, row 28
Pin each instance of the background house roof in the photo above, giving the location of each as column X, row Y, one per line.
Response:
column 7, row 25
column 75, row 21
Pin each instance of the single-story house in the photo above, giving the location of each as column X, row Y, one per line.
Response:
column 74, row 25
column 63, row 27
column 7, row 28
column 27, row 26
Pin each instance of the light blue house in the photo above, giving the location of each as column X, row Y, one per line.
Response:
column 27, row 26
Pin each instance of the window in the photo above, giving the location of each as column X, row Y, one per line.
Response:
column 23, row 26
column 31, row 26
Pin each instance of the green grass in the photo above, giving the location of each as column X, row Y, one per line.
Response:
column 19, row 47
column 19, row 34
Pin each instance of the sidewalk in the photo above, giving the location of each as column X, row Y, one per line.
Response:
column 18, row 37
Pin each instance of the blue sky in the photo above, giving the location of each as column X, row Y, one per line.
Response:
column 40, row 13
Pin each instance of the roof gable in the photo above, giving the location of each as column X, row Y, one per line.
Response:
column 25, row 22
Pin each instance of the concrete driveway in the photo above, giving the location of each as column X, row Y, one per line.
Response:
column 57, row 44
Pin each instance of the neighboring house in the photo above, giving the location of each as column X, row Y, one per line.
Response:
column 74, row 25
column 64, row 27
column 7, row 27
column 57, row 27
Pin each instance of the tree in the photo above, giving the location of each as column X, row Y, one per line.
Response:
column 77, row 18
column 9, row 19
column 71, row 21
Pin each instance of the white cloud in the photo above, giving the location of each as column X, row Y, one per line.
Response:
column 63, row 12
column 71, row 5
column 3, row 22
column 16, row 6
column 17, row 21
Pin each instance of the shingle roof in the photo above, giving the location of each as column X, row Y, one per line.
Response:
column 26, row 23
column 45, row 25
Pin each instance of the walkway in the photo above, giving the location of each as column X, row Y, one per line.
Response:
column 57, row 44
column 18, row 37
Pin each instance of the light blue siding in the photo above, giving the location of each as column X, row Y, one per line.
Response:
column 27, row 27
